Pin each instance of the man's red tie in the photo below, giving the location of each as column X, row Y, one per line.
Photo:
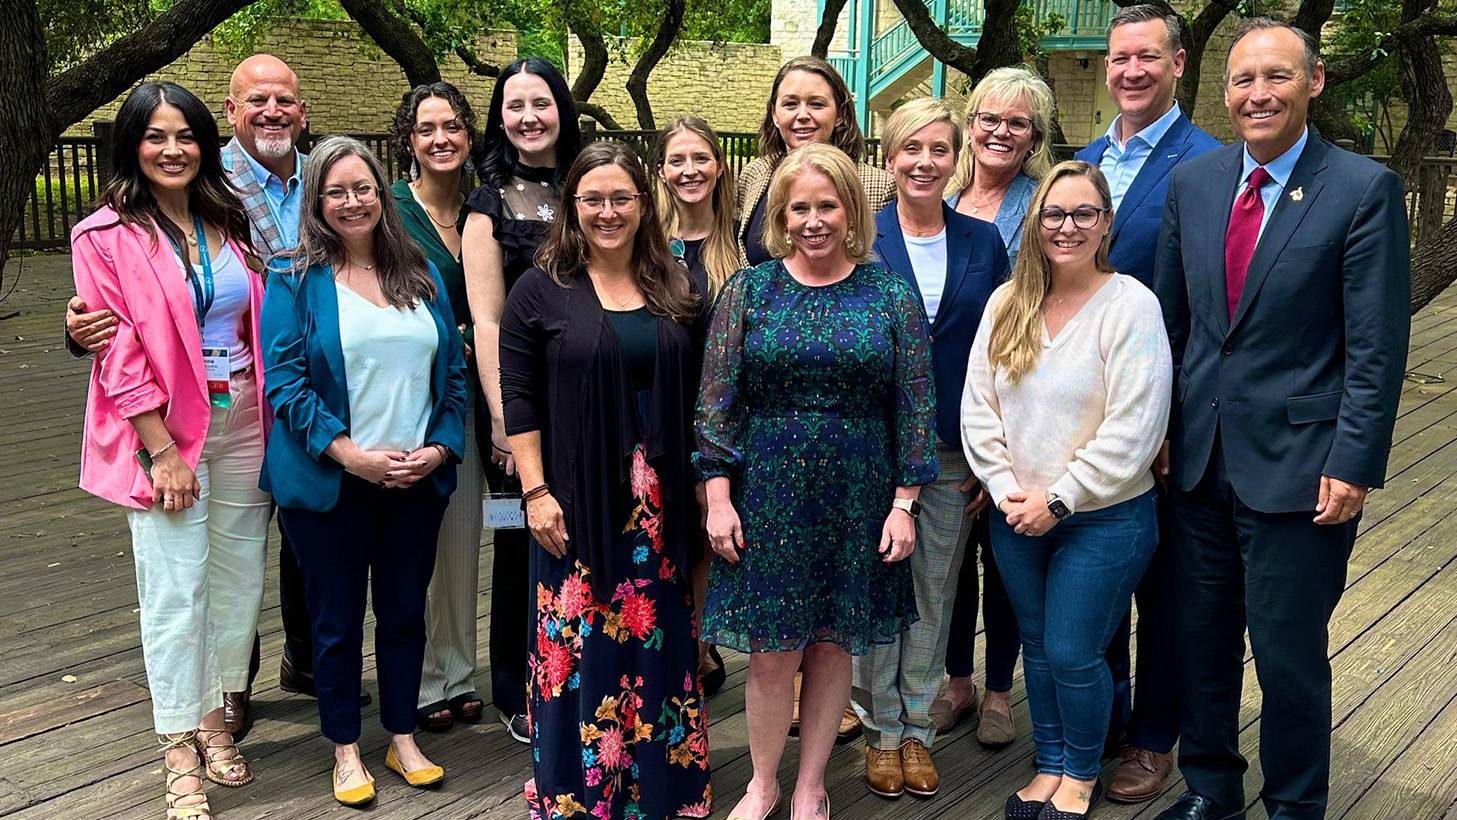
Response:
column 1240, row 239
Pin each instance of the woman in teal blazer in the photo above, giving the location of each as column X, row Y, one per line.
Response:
column 366, row 376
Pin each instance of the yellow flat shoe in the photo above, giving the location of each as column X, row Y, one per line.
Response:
column 356, row 796
column 420, row 778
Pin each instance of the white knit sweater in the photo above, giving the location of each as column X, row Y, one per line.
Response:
column 1088, row 420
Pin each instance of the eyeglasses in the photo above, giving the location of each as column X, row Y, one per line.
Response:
column 363, row 194
column 427, row 130
column 1054, row 218
column 990, row 122
column 619, row 202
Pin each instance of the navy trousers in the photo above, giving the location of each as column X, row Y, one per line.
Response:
column 1003, row 641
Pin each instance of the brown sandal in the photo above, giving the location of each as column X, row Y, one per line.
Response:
column 185, row 740
column 226, row 766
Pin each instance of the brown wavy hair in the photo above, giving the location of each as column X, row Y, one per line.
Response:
column 664, row 283
column 846, row 134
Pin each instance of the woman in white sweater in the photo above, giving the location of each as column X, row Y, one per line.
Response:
column 1066, row 403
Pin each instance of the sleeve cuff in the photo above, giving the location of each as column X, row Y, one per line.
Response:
column 1068, row 491
column 323, row 434
column 1001, row 486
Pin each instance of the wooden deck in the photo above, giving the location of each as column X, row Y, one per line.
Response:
column 75, row 722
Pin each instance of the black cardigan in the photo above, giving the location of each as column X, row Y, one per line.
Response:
column 563, row 374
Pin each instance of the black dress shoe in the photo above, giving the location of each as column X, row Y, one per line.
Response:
column 1019, row 809
column 302, row 683
column 1051, row 812
column 715, row 679
column 1195, row 806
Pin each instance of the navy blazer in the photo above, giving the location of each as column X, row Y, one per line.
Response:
column 976, row 262
column 304, row 380
column 1304, row 381
column 1136, row 224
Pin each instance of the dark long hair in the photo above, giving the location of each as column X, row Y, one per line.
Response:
column 664, row 283
column 846, row 134
column 404, row 276
column 403, row 127
column 209, row 195
column 498, row 155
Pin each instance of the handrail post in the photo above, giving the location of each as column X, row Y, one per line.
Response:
column 104, row 131
column 866, row 9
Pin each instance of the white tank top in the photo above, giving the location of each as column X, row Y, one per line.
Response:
column 388, row 355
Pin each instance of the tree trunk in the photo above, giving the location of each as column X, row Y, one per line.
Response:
column 825, row 33
column 594, row 62
column 598, row 113
column 637, row 81
column 25, row 130
column 396, row 38
column 997, row 47
column 1433, row 266
column 1196, row 37
column 935, row 41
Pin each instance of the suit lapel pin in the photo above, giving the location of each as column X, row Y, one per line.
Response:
column 1297, row 194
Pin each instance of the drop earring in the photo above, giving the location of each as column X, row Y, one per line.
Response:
column 414, row 169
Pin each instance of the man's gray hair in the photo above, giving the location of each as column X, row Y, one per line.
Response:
column 1312, row 46
column 1147, row 12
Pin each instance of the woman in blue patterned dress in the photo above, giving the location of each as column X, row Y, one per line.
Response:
column 814, row 422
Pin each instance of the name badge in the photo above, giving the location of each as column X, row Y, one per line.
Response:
column 217, row 364
column 502, row 511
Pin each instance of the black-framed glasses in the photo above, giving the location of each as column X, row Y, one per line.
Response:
column 1054, row 218
column 364, row 194
column 990, row 122
column 597, row 202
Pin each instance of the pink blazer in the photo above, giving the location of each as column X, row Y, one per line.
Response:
column 155, row 360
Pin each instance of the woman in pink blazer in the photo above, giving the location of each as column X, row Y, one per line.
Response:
column 175, row 421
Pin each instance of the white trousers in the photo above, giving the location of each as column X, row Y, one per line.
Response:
column 200, row 572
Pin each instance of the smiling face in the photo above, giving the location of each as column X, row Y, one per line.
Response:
column 1142, row 72
column 689, row 168
column 815, row 217
column 1269, row 90
column 348, row 217
column 264, row 107
column 531, row 119
column 169, row 154
column 440, row 140
column 1000, row 151
column 924, row 163
column 1070, row 245
column 610, row 227
column 804, row 109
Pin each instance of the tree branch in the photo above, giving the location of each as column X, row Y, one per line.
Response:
column 396, row 38
column 935, row 41
column 637, row 81
column 472, row 62
column 78, row 91
column 597, row 113
column 1345, row 69
column 825, row 32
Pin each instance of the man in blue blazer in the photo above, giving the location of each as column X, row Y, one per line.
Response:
column 1144, row 143
column 1284, row 272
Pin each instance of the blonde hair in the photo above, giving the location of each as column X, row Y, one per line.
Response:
column 1011, row 84
column 1016, row 338
column 721, row 248
column 840, row 170
column 906, row 120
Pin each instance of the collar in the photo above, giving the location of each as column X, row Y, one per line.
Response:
column 1281, row 167
column 263, row 174
column 1151, row 133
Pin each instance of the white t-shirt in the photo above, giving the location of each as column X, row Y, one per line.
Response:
column 928, row 261
column 388, row 355
column 224, row 326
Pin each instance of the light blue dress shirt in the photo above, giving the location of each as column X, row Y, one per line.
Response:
column 285, row 199
column 1280, row 169
column 1121, row 163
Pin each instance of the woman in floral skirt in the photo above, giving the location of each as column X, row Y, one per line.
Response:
column 599, row 366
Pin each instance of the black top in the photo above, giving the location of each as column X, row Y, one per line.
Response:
column 521, row 213
column 754, row 249
column 562, row 375
column 637, row 334
column 693, row 258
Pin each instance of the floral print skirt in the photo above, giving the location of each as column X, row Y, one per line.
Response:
column 618, row 727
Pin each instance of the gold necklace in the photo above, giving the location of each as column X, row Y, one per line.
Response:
column 426, row 208
column 617, row 304
column 976, row 208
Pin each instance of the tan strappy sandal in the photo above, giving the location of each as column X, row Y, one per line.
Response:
column 196, row 811
column 226, row 766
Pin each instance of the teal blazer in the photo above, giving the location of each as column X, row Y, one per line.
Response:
column 304, row 381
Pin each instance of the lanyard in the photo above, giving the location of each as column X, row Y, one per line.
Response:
column 203, row 292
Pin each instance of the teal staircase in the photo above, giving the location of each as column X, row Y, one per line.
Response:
column 881, row 68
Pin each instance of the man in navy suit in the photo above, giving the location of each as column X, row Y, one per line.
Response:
column 1284, row 272
column 1148, row 138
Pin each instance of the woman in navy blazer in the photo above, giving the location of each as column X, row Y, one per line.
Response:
column 366, row 376
column 953, row 262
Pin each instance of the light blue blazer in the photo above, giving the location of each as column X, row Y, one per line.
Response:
column 304, row 380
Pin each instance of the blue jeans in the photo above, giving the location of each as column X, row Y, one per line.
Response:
column 1070, row 588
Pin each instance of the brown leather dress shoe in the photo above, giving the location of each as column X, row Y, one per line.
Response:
column 918, row 770
column 235, row 713
column 883, row 772
column 1140, row 776
column 849, row 726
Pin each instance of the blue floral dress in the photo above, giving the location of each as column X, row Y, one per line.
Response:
column 816, row 402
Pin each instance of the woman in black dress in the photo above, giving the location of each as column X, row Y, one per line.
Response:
column 531, row 138
column 611, row 322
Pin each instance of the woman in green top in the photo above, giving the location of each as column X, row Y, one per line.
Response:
column 434, row 133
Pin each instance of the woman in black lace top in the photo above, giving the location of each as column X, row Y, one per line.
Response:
column 531, row 139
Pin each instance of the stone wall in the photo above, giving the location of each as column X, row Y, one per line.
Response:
column 349, row 84
column 725, row 83
column 792, row 25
